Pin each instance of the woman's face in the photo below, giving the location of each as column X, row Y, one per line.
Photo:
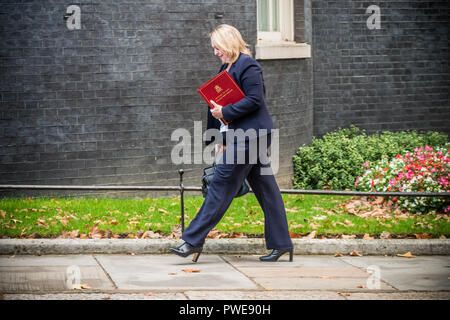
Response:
column 223, row 57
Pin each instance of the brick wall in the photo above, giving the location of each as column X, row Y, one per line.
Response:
column 393, row 78
column 97, row 106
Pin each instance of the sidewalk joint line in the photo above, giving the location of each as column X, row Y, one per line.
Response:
column 106, row 273
column 250, row 278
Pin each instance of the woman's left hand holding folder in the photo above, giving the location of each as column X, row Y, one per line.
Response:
column 216, row 111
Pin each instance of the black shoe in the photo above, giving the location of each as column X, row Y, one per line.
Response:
column 275, row 254
column 186, row 249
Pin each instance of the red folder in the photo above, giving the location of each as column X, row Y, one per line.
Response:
column 222, row 89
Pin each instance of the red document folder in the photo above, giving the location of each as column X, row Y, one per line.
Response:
column 222, row 89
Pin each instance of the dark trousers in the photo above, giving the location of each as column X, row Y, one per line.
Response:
column 227, row 180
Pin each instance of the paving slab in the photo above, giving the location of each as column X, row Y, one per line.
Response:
column 420, row 273
column 50, row 273
column 47, row 260
column 165, row 272
column 47, row 278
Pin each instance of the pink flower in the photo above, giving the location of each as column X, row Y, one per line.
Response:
column 366, row 164
column 428, row 148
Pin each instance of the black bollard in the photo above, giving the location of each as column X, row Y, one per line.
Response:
column 181, row 171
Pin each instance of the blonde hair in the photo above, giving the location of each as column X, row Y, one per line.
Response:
column 229, row 40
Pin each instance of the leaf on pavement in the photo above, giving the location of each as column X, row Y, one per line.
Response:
column 148, row 294
column 355, row 253
column 344, row 294
column 338, row 254
column 79, row 286
column 191, row 270
column 406, row 255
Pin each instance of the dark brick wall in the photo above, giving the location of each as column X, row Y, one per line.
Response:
column 393, row 78
column 98, row 105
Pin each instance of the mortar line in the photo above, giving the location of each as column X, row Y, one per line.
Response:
column 106, row 273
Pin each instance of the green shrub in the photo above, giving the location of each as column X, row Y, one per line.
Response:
column 336, row 160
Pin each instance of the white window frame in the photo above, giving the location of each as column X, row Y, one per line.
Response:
column 281, row 45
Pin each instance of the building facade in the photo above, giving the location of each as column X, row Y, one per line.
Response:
column 91, row 94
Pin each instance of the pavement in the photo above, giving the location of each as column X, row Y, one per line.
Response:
column 138, row 276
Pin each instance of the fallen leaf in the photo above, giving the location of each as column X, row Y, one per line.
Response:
column 34, row 235
column 385, row 235
column 150, row 235
column 216, row 234
column 406, row 255
column 345, row 294
column 163, row 211
column 422, row 236
column 69, row 235
column 349, row 223
column 345, row 236
column 79, row 286
column 367, row 236
column 176, row 232
column 311, row 235
column 172, row 273
column 95, row 232
column 148, row 294
column 314, row 226
column 293, row 234
column 338, row 254
column 361, row 286
column 326, row 277
column 41, row 222
column 191, row 270
column 237, row 235
column 355, row 253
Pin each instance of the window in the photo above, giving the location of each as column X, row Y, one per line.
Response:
column 269, row 19
column 275, row 24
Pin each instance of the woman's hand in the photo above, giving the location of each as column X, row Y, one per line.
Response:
column 217, row 111
column 220, row 148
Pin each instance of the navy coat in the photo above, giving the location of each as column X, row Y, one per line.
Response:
column 250, row 112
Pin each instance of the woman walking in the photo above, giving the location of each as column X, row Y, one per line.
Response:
column 248, row 114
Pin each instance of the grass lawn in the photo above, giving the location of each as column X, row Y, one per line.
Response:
column 49, row 217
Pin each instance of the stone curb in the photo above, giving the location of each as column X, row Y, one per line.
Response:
column 224, row 246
